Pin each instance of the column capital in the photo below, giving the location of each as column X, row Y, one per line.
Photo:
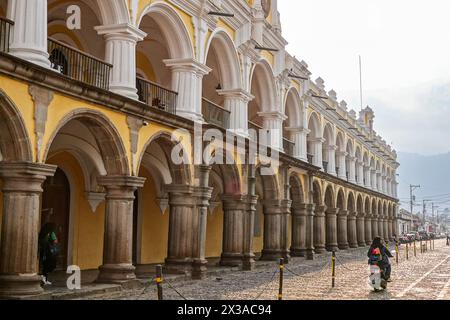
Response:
column 234, row 202
column 343, row 213
column 317, row 140
column 298, row 130
column 187, row 65
column 237, row 94
column 19, row 176
column 342, row 153
column 120, row 187
column 332, row 211
column 320, row 210
column 124, row 31
column 273, row 115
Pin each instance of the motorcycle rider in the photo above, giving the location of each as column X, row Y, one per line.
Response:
column 384, row 264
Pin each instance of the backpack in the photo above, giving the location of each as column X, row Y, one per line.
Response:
column 375, row 256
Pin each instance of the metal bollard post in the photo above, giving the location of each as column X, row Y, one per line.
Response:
column 421, row 247
column 415, row 249
column 433, row 244
column 407, row 251
column 280, row 292
column 396, row 253
column 159, row 281
column 333, row 271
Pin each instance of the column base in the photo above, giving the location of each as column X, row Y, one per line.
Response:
column 320, row 249
column 332, row 247
column 309, row 254
column 178, row 266
column 353, row 245
column 231, row 260
column 362, row 244
column 271, row 255
column 298, row 253
column 116, row 274
column 199, row 269
column 368, row 242
column 248, row 263
column 344, row 246
column 15, row 287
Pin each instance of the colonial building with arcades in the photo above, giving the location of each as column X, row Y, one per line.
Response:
column 87, row 117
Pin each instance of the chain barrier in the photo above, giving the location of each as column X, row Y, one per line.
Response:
column 308, row 277
column 173, row 288
column 267, row 285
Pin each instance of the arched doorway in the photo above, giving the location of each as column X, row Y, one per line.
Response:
column 56, row 211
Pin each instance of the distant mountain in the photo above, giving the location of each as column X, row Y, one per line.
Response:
column 432, row 173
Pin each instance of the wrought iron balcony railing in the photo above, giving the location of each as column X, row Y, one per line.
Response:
column 79, row 65
column 215, row 114
column 288, row 146
column 5, row 33
column 156, row 96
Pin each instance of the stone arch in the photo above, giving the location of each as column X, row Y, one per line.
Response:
column 367, row 206
column 360, row 204
column 351, row 204
column 114, row 12
column 329, row 197
column 263, row 88
column 314, row 140
column 173, row 29
column 270, row 188
column 293, row 108
column 328, row 136
column 297, row 190
column 317, row 193
column 15, row 143
column 340, row 200
column 221, row 44
column 108, row 139
column 179, row 174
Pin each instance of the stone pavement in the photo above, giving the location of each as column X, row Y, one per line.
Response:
column 426, row 276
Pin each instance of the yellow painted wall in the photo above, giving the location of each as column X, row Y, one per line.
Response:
column 17, row 91
column 214, row 233
column 88, row 226
column 155, row 226
column 258, row 242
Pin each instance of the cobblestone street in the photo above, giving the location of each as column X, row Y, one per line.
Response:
column 426, row 276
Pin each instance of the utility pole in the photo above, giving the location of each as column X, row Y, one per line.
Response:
column 434, row 207
column 411, row 190
column 425, row 211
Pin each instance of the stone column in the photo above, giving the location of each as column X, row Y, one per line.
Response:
column 360, row 180
column 249, row 221
column 368, row 229
column 299, row 216
column 390, row 230
column 310, row 209
column 300, row 148
column 332, row 160
column 121, row 41
column 343, row 230
column 351, row 170
column 352, row 232
column 379, row 182
column 272, row 230
column 118, row 240
column 368, row 177
column 249, row 227
column 273, row 123
column 187, row 75
column 373, row 179
column 203, row 194
column 360, row 225
column 236, row 101
column 182, row 222
column 319, row 229
column 342, row 174
column 234, row 208
column 29, row 34
column 386, row 229
column 22, row 188
column 381, row 227
column 317, row 152
column 286, row 213
column 383, row 183
column 375, row 232
column 389, row 187
column 332, row 229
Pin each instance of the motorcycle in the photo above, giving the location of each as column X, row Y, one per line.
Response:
column 377, row 278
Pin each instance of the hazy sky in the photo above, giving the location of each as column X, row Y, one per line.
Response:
column 405, row 47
